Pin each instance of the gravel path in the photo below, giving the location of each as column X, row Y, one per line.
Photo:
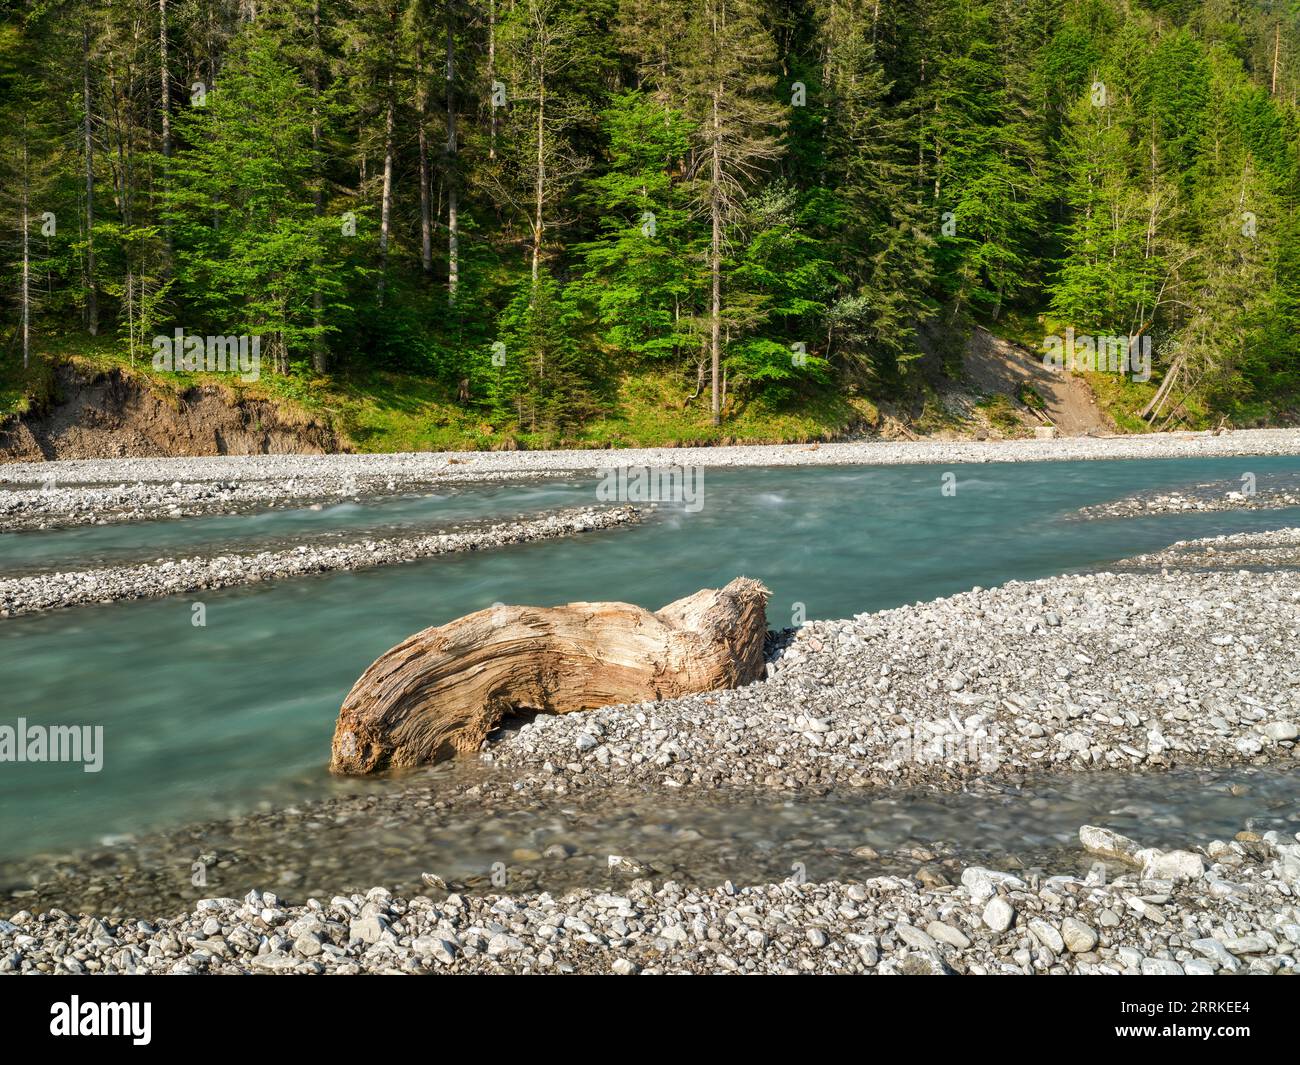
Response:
column 24, row 595
column 1230, row 908
column 44, row 494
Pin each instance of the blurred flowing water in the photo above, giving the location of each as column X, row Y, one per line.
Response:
column 213, row 721
column 125, row 543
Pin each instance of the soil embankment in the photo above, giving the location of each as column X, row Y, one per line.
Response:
column 995, row 365
column 110, row 414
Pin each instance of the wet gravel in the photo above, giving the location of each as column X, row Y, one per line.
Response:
column 45, row 591
column 1228, row 908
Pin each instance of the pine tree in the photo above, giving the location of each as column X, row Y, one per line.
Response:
column 726, row 65
column 250, row 245
column 869, row 209
column 1112, row 268
column 641, row 277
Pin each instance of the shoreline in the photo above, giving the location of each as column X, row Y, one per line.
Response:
column 1228, row 907
column 872, row 452
column 40, row 592
column 95, row 491
column 91, row 492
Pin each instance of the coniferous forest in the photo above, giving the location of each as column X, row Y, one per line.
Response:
column 545, row 211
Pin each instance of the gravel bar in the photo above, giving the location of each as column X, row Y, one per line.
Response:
column 1229, row 908
column 47, row 591
column 1276, row 548
column 56, row 505
column 1185, row 503
column 1098, row 670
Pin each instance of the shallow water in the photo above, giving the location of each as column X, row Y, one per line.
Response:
column 703, row 840
column 209, row 721
column 88, row 546
column 699, row 839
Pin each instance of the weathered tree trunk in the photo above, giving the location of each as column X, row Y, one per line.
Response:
column 442, row 691
column 1152, row 409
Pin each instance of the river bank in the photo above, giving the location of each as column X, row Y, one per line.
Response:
column 1227, row 908
column 56, row 494
column 48, row 591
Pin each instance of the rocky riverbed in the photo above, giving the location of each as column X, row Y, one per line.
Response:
column 1135, row 671
column 1203, row 499
column 45, row 591
column 53, row 494
column 1244, row 552
column 1229, row 908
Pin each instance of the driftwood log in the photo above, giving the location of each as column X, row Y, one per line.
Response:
column 440, row 692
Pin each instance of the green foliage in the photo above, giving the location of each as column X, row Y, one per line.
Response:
column 643, row 270
column 865, row 181
column 250, row 250
column 535, row 371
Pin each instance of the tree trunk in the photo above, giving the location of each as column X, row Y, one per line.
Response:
column 442, row 691
column 492, row 72
column 166, row 81
column 1157, row 403
column 25, row 292
column 540, row 190
column 715, row 258
column 386, row 200
column 453, row 188
column 92, row 298
column 319, row 353
column 422, row 109
column 1277, row 52
column 165, row 77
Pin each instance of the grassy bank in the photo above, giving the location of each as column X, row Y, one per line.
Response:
column 377, row 411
